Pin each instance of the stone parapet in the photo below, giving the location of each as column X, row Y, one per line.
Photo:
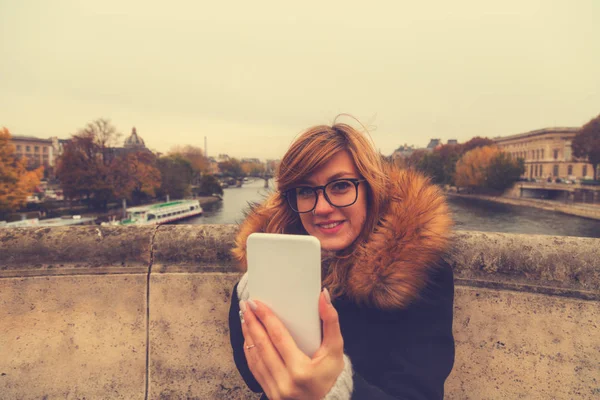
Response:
column 141, row 312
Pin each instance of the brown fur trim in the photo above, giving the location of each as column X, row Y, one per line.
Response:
column 392, row 266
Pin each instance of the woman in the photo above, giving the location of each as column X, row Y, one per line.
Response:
column 387, row 300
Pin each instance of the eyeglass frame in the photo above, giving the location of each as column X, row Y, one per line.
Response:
column 355, row 181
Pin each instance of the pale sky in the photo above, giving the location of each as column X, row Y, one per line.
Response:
column 251, row 75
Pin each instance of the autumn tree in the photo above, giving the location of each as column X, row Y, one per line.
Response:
column 504, row 171
column 195, row 156
column 136, row 176
column 586, row 144
column 232, row 168
column 209, row 185
column 475, row 142
column 16, row 183
column 176, row 176
column 471, row 169
column 86, row 166
column 92, row 167
column 252, row 168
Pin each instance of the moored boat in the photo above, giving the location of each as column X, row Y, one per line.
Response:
column 162, row 213
column 49, row 222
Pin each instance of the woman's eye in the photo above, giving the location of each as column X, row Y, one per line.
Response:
column 305, row 191
column 341, row 186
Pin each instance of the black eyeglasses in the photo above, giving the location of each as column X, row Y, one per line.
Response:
column 338, row 193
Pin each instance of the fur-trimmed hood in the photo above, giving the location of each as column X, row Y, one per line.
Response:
column 393, row 265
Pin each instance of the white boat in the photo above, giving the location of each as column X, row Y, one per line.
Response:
column 162, row 213
column 50, row 222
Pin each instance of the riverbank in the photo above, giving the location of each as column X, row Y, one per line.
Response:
column 590, row 211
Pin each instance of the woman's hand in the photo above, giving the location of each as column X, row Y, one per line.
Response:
column 279, row 366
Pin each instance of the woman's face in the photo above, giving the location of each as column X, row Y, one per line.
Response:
column 336, row 228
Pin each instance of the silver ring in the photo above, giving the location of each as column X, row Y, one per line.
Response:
column 251, row 346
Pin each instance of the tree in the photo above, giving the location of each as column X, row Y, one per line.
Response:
column 86, row 166
column 586, row 144
column 448, row 154
column 209, row 185
column 135, row 176
column 176, row 176
column 504, row 171
column 472, row 168
column 431, row 165
column 91, row 167
column 231, row 168
column 196, row 158
column 253, row 169
column 475, row 142
column 16, row 183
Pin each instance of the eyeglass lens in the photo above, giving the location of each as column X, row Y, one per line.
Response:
column 340, row 193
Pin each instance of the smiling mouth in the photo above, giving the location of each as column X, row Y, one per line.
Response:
column 331, row 225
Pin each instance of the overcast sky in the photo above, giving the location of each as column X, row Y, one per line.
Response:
column 251, row 75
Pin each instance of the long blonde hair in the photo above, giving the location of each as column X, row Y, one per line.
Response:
column 312, row 149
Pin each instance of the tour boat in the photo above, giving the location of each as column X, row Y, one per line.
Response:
column 162, row 213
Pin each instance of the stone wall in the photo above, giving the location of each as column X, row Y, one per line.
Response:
column 141, row 312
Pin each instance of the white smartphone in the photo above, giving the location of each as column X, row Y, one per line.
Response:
column 284, row 272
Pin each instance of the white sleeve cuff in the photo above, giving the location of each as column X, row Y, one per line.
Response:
column 242, row 289
column 344, row 385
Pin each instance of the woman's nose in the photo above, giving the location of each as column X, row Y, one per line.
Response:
column 323, row 206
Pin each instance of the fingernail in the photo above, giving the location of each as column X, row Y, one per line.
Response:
column 252, row 305
column 242, row 316
column 327, row 297
column 242, row 306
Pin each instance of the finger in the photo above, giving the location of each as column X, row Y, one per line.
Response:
column 279, row 334
column 332, row 334
column 255, row 364
column 264, row 349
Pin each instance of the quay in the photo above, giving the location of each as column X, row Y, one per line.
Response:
column 584, row 210
column 142, row 312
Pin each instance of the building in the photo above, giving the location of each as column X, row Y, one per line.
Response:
column 213, row 166
column 547, row 153
column 134, row 142
column 37, row 151
column 402, row 152
column 433, row 144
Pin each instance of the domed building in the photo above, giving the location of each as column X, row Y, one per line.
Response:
column 133, row 141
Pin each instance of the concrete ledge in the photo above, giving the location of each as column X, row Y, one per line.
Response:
column 194, row 248
column 75, row 250
column 558, row 265
column 141, row 313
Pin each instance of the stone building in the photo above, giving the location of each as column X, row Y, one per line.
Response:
column 547, row 153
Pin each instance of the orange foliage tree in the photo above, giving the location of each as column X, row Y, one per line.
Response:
column 136, row 176
column 195, row 156
column 471, row 169
column 16, row 183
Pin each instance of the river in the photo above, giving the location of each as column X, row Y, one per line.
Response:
column 469, row 214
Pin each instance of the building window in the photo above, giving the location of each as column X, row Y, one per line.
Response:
column 570, row 170
column 18, row 147
column 36, row 149
column 555, row 170
column 568, row 156
column 28, row 148
column 541, row 170
column 45, row 149
column 584, row 173
column 537, row 154
column 542, row 154
column 556, row 154
column 536, row 171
